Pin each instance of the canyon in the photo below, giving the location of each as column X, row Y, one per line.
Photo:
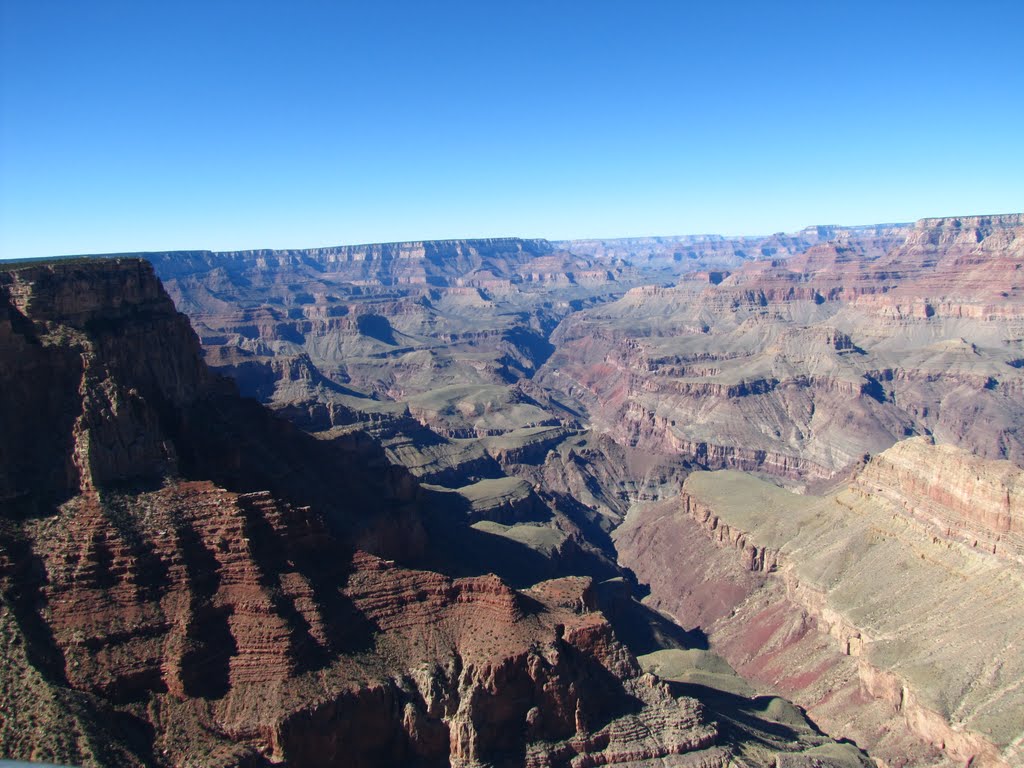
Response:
column 188, row 579
column 654, row 501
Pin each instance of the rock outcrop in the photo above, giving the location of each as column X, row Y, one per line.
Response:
column 223, row 613
column 71, row 336
column 961, row 496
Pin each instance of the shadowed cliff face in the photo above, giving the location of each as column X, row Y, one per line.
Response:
column 124, row 401
column 187, row 579
column 71, row 337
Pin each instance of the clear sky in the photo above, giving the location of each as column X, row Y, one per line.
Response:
column 135, row 125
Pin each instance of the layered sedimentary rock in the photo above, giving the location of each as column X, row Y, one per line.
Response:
column 539, row 391
column 793, row 354
column 389, row 321
column 445, row 326
column 961, row 496
column 71, row 337
column 801, row 366
column 223, row 613
column 186, row 579
column 719, row 255
column 864, row 605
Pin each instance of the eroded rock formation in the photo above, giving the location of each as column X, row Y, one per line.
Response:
column 977, row 501
column 505, row 405
column 801, row 366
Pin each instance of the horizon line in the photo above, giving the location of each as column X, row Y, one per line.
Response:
column 550, row 240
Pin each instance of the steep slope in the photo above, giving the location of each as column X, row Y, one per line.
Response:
column 114, row 373
column 976, row 501
column 185, row 579
column 881, row 606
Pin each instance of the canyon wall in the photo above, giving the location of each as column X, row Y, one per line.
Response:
column 868, row 606
column 800, row 366
column 512, row 406
column 961, row 496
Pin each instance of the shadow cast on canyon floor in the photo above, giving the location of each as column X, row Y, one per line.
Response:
column 640, row 627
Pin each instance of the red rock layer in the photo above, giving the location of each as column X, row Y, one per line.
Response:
column 226, row 609
column 800, row 366
column 944, row 264
column 974, row 500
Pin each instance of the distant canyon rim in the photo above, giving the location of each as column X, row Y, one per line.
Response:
column 668, row 501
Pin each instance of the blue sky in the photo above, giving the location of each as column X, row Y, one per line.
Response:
column 238, row 124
